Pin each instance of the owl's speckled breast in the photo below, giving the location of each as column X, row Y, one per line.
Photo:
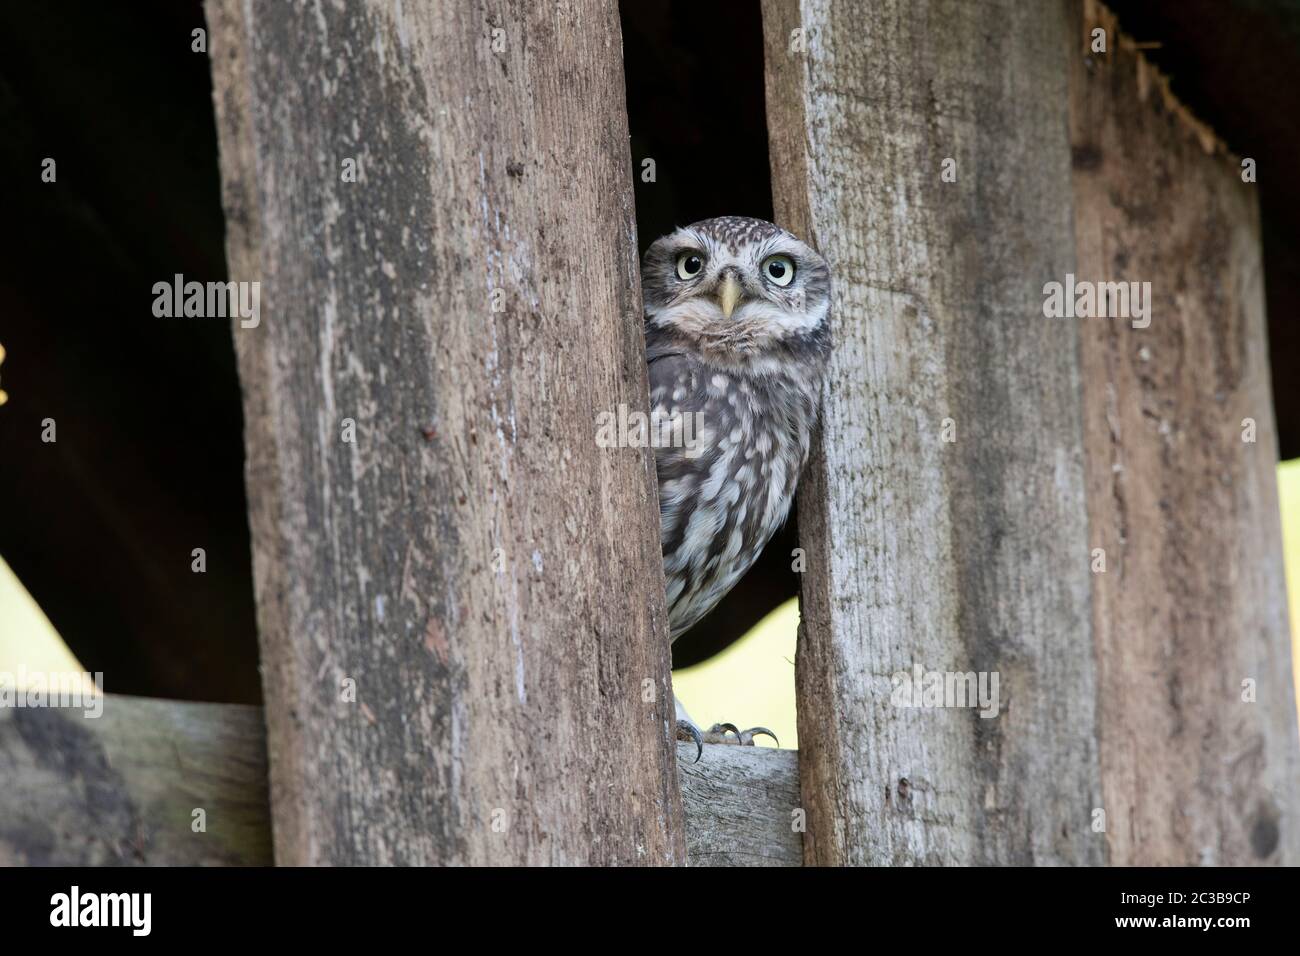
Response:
column 723, row 496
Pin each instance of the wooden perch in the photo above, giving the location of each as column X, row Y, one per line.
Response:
column 123, row 790
column 742, row 806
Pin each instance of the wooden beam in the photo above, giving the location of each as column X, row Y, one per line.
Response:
column 1199, row 766
column 943, row 513
column 742, row 806
column 122, row 789
column 459, row 600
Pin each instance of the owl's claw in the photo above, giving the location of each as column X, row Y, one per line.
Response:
column 688, row 731
column 718, row 735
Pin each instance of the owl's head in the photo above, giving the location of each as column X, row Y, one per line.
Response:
column 739, row 285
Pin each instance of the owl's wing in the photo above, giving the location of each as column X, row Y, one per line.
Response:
column 675, row 381
column 676, row 384
column 656, row 351
column 673, row 371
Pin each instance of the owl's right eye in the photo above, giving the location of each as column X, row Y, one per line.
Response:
column 689, row 265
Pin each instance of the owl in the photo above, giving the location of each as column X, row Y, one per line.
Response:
column 737, row 339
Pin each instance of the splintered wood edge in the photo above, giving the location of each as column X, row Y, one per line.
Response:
column 1149, row 78
column 124, row 788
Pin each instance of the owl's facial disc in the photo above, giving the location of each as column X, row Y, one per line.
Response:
column 736, row 284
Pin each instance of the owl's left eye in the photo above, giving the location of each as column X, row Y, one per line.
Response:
column 779, row 270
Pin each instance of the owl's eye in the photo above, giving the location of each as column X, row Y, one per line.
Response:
column 779, row 269
column 689, row 265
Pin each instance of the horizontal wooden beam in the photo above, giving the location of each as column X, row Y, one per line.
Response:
column 124, row 788
column 742, row 806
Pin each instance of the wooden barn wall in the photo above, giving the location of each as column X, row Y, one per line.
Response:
column 1123, row 734
column 456, row 668
column 1197, row 718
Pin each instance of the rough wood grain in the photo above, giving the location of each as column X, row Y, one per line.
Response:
column 968, row 556
column 487, row 575
column 121, row 789
column 742, row 806
column 1193, row 601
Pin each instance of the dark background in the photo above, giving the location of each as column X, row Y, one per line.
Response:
column 148, row 465
column 149, row 459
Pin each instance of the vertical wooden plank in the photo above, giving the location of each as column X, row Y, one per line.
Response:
column 962, row 556
column 489, row 577
column 1193, row 601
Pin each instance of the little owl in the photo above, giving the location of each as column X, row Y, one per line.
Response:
column 737, row 336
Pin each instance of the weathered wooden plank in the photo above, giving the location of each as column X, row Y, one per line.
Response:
column 122, row 789
column 961, row 555
column 742, row 806
column 473, row 561
column 1193, row 600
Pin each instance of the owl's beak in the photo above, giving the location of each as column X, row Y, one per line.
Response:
column 729, row 295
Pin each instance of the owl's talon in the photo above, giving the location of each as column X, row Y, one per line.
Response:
column 691, row 732
column 747, row 736
column 731, row 734
column 723, row 729
column 722, row 733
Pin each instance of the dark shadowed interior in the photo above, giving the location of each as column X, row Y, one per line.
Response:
column 148, row 463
